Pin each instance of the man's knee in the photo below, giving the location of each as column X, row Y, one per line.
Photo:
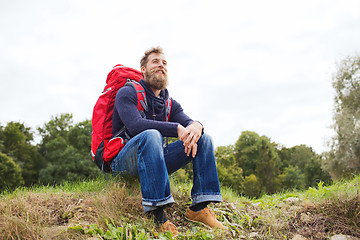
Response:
column 206, row 138
column 206, row 142
column 152, row 136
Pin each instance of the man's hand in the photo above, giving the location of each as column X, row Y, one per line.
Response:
column 189, row 136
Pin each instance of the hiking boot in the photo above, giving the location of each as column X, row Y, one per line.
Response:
column 169, row 226
column 205, row 216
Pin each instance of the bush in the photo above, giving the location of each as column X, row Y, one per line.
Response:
column 10, row 173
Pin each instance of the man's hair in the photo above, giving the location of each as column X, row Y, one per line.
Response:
column 144, row 59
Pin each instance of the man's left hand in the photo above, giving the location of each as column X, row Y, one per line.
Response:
column 190, row 137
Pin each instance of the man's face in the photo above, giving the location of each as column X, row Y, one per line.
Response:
column 155, row 71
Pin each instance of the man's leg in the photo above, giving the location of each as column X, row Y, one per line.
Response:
column 143, row 155
column 206, row 187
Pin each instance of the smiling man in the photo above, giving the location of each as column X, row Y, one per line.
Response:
column 145, row 155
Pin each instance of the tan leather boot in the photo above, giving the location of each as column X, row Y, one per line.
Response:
column 205, row 216
column 169, row 226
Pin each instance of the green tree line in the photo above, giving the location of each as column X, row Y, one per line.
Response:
column 252, row 166
column 62, row 154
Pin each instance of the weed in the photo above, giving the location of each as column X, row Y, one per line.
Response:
column 128, row 231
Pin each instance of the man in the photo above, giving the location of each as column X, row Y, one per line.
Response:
column 145, row 156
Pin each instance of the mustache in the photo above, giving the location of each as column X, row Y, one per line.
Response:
column 157, row 70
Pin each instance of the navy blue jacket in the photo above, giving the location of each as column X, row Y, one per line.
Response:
column 126, row 113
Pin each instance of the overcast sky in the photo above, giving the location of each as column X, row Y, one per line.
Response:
column 263, row 66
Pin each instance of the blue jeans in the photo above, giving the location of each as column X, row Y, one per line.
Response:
column 144, row 156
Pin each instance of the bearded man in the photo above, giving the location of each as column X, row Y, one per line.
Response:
column 145, row 155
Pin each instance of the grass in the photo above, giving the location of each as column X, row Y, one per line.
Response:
column 101, row 209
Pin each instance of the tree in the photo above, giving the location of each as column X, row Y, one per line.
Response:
column 300, row 155
column 246, row 152
column 293, row 178
column 66, row 148
column 267, row 166
column 16, row 143
column 1, row 138
column 306, row 162
column 79, row 136
column 58, row 126
column 309, row 164
column 10, row 173
column 225, row 155
column 229, row 172
column 67, row 165
column 343, row 159
column 314, row 172
column 284, row 154
column 257, row 155
column 252, row 187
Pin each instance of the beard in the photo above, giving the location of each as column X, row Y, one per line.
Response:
column 156, row 81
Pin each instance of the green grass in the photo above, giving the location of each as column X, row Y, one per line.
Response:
column 111, row 209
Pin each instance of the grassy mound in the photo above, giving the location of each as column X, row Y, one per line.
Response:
column 101, row 209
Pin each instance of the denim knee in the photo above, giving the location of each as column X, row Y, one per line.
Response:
column 206, row 140
column 153, row 136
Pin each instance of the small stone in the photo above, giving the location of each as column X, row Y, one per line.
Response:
column 298, row 237
column 343, row 237
column 292, row 200
column 253, row 234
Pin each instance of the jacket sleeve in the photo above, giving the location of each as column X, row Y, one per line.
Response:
column 177, row 114
column 126, row 106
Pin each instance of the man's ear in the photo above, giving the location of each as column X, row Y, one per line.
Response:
column 142, row 70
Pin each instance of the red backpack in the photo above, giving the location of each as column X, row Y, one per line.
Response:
column 103, row 146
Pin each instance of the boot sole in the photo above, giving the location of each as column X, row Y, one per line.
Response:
column 194, row 221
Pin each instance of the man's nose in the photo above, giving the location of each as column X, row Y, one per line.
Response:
column 162, row 66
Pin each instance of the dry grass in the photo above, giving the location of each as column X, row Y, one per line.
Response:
column 328, row 218
column 24, row 217
column 42, row 215
column 47, row 213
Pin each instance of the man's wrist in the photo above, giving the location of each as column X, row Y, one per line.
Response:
column 202, row 127
column 180, row 128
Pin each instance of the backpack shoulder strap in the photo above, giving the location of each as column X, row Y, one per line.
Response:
column 168, row 108
column 142, row 105
column 140, row 93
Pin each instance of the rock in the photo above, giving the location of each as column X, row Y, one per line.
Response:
column 343, row 237
column 292, row 200
column 253, row 234
column 298, row 237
